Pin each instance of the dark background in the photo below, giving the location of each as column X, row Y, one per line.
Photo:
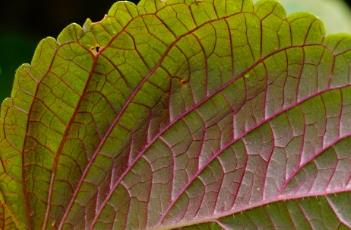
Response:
column 24, row 22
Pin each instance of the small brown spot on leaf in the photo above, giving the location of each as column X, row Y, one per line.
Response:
column 95, row 49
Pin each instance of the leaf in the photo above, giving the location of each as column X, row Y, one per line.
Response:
column 170, row 114
column 7, row 218
column 336, row 14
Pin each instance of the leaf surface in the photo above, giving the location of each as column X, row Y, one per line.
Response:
column 195, row 114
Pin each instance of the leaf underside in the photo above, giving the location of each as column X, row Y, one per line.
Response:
column 211, row 114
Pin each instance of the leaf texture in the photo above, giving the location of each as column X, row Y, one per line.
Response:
column 212, row 114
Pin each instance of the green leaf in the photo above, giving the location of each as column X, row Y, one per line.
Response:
column 335, row 13
column 170, row 114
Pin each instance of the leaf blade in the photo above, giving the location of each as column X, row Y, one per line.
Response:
column 187, row 113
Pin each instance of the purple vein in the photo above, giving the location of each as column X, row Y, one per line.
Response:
column 65, row 135
column 24, row 186
column 181, row 116
column 63, row 140
column 124, row 108
column 237, row 139
column 67, row 130
column 280, row 197
column 252, row 206
column 321, row 151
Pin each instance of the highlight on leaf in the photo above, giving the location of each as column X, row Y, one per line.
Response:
column 211, row 114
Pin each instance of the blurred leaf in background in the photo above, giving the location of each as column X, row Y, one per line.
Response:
column 335, row 14
column 31, row 24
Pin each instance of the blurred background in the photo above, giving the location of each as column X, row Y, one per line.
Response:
column 24, row 22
